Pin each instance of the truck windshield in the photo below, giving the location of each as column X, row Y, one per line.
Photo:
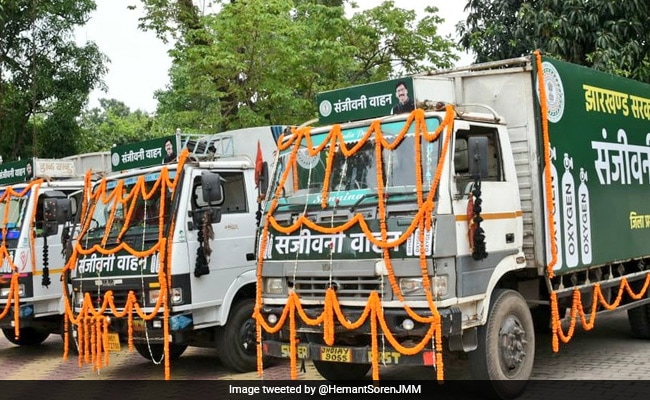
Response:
column 355, row 176
column 134, row 214
column 12, row 212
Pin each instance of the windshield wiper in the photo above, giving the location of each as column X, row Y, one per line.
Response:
column 388, row 195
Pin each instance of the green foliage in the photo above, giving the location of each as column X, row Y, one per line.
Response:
column 45, row 77
column 261, row 62
column 113, row 123
column 610, row 35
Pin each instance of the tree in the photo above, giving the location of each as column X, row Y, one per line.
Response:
column 612, row 36
column 258, row 62
column 45, row 77
column 113, row 123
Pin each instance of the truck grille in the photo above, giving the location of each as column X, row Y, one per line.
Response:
column 119, row 297
column 345, row 287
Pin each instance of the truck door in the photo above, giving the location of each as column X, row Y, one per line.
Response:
column 52, row 228
column 227, row 244
column 498, row 208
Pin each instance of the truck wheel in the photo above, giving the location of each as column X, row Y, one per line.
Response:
column 154, row 352
column 639, row 319
column 340, row 371
column 28, row 336
column 503, row 360
column 236, row 341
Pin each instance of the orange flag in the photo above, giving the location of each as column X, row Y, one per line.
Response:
column 259, row 161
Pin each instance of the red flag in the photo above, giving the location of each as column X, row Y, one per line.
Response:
column 259, row 161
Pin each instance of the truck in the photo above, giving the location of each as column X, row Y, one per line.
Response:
column 165, row 257
column 39, row 198
column 513, row 197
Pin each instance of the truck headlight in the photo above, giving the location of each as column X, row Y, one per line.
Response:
column 78, row 299
column 175, row 295
column 273, row 286
column 411, row 286
column 439, row 286
column 4, row 292
column 153, row 296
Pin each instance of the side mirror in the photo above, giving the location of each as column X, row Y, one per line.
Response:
column 50, row 224
column 478, row 156
column 212, row 188
column 57, row 210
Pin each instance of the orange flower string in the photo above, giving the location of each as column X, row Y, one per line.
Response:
column 421, row 221
column 548, row 184
column 577, row 308
column 13, row 296
column 94, row 341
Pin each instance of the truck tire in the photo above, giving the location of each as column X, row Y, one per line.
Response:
column 154, row 352
column 236, row 341
column 340, row 371
column 639, row 319
column 503, row 360
column 28, row 336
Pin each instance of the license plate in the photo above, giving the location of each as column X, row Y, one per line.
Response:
column 338, row 354
column 113, row 342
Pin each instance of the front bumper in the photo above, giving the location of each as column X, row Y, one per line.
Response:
column 451, row 320
column 278, row 345
column 152, row 331
column 26, row 316
column 347, row 354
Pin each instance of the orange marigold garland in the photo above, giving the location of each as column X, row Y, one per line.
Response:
column 91, row 322
column 13, row 297
column 422, row 221
column 548, row 184
column 577, row 308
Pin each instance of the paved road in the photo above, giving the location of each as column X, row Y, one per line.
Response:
column 609, row 352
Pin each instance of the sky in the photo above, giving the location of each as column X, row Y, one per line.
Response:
column 139, row 62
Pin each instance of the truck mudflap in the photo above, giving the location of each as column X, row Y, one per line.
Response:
column 347, row 354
